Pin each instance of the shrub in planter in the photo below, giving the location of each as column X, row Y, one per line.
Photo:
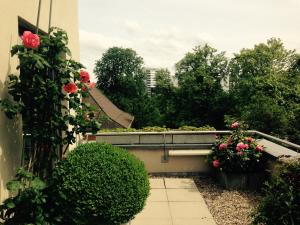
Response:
column 99, row 184
column 238, row 158
column 281, row 203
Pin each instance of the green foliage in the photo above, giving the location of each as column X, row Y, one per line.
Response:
column 281, row 203
column 201, row 99
column 237, row 153
column 121, row 77
column 99, row 184
column 28, row 206
column 51, row 117
column 160, row 129
column 265, row 90
column 164, row 96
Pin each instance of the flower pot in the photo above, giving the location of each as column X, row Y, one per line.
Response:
column 241, row 181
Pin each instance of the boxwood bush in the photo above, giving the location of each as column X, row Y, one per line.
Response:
column 99, row 184
column 281, row 203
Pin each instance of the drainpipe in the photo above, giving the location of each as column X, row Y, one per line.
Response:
column 50, row 16
column 38, row 17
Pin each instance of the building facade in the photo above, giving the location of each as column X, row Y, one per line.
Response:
column 15, row 17
column 150, row 79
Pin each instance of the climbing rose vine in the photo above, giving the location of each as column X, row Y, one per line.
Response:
column 47, row 95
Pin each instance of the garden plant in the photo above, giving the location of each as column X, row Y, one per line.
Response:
column 237, row 153
column 98, row 184
column 281, row 202
column 47, row 96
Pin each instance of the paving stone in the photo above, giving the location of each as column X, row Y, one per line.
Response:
column 158, row 195
column 151, row 222
column 184, row 195
column 155, row 210
column 189, row 210
column 157, row 183
column 179, row 183
column 193, row 222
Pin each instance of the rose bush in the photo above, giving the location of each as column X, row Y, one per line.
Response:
column 237, row 153
column 49, row 81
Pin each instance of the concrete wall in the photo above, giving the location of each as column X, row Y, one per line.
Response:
column 65, row 15
column 149, row 147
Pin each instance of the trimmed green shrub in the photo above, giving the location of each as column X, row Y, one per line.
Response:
column 281, row 203
column 99, row 184
column 160, row 129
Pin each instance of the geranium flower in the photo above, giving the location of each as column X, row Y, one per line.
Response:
column 235, row 125
column 71, row 88
column 216, row 163
column 241, row 145
column 249, row 139
column 30, row 40
column 259, row 148
column 84, row 76
column 222, row 146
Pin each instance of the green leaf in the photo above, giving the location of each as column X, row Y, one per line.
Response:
column 14, row 185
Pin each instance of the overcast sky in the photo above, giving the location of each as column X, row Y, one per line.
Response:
column 162, row 31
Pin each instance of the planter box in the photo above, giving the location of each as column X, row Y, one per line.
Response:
column 241, row 181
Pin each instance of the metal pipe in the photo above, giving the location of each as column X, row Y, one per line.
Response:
column 38, row 17
column 50, row 16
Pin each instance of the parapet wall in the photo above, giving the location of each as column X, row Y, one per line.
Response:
column 183, row 151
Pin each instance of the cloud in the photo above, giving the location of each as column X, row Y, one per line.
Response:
column 132, row 27
column 162, row 47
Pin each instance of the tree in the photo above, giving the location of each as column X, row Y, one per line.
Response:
column 201, row 98
column 164, row 97
column 264, row 87
column 121, row 77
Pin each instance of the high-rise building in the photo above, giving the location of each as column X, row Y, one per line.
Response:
column 150, row 81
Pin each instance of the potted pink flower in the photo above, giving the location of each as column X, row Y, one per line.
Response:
column 238, row 160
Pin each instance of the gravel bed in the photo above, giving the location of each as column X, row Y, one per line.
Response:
column 228, row 207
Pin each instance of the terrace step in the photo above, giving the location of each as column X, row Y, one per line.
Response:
column 190, row 152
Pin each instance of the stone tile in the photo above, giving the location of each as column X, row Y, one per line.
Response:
column 194, row 222
column 155, row 210
column 189, row 210
column 151, row 222
column 157, row 183
column 184, row 195
column 179, row 183
column 158, row 195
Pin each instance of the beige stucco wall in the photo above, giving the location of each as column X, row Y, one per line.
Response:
column 65, row 15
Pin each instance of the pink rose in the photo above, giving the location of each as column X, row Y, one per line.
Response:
column 70, row 87
column 30, row 40
column 246, row 146
column 92, row 85
column 222, row 146
column 84, row 76
column 235, row 125
column 259, row 148
column 216, row 163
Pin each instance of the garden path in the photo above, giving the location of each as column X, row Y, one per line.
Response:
column 174, row 201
